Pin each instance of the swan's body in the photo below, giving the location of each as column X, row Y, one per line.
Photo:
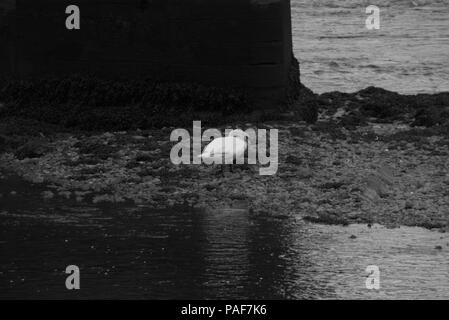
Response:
column 226, row 148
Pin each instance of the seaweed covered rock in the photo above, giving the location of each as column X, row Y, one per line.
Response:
column 387, row 106
column 307, row 109
column 300, row 98
column 431, row 116
column 33, row 149
column 353, row 119
column 98, row 104
column 381, row 103
column 2, row 143
column 20, row 134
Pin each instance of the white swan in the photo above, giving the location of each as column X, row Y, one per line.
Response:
column 227, row 148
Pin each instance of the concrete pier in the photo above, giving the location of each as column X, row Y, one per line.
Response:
column 238, row 43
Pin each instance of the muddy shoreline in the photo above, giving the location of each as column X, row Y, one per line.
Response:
column 373, row 156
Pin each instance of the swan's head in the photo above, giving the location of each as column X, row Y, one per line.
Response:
column 238, row 133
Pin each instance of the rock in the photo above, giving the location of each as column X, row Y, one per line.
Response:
column 370, row 194
column 431, row 116
column 106, row 198
column 47, row 195
column 36, row 179
column 13, row 193
column 96, row 149
column 381, row 103
column 293, row 160
column 144, row 157
column 332, row 185
column 352, row 237
column 353, row 120
column 408, row 205
column 304, row 172
column 306, row 109
column 32, row 149
column 419, row 184
column 386, row 173
column 426, row 188
column 353, row 215
column 102, row 198
column 340, row 113
column 376, row 185
column 2, row 143
column 327, row 218
column 210, row 186
column 65, row 194
column 237, row 196
column 438, row 247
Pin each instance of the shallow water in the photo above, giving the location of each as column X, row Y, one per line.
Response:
column 408, row 54
column 133, row 252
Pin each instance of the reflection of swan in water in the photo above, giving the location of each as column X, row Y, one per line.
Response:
column 228, row 148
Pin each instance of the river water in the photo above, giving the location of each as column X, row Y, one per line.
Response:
column 408, row 54
column 134, row 252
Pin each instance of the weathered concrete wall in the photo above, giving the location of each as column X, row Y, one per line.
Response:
column 6, row 49
column 241, row 43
